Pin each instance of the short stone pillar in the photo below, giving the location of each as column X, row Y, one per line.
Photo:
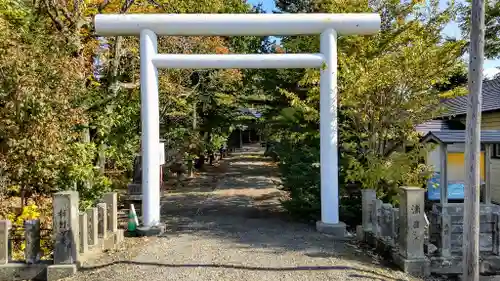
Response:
column 66, row 227
column 410, row 256
column 4, row 241
column 92, row 227
column 376, row 218
column 395, row 224
column 386, row 222
column 367, row 197
column 496, row 233
column 111, row 200
column 32, row 250
column 84, row 241
column 102, row 225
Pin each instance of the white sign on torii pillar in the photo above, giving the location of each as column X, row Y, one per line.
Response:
column 149, row 26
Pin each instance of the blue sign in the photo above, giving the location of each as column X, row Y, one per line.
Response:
column 455, row 189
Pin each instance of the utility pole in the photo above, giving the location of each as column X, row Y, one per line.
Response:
column 473, row 145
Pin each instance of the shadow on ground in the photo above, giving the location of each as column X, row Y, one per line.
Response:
column 244, row 213
column 248, row 268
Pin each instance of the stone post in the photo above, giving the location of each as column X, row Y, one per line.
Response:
column 111, row 200
column 367, row 197
column 376, row 217
column 411, row 257
column 496, row 234
column 4, row 241
column 395, row 224
column 66, row 228
column 386, row 221
column 84, row 241
column 92, row 226
column 32, row 251
column 445, row 245
column 102, row 226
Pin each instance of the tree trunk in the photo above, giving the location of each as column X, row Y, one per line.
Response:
column 102, row 158
column 473, row 145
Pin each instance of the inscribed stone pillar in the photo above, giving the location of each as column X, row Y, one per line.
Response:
column 412, row 222
column 445, row 245
column 386, row 220
column 395, row 223
column 367, row 195
column 102, row 214
column 111, row 200
column 376, row 217
column 32, row 251
column 4, row 241
column 84, row 246
column 92, row 226
column 66, row 227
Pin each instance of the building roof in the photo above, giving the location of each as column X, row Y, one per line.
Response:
column 458, row 136
column 491, row 99
column 433, row 125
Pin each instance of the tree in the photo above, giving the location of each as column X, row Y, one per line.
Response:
column 492, row 31
column 388, row 83
column 37, row 114
column 95, row 110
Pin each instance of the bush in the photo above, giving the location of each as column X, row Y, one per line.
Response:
column 300, row 176
column 37, row 208
column 299, row 158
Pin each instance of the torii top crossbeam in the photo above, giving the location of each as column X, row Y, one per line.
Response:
column 236, row 24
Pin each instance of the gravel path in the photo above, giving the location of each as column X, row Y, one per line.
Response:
column 237, row 232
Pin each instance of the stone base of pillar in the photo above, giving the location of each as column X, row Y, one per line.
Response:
column 151, row 230
column 419, row 267
column 337, row 230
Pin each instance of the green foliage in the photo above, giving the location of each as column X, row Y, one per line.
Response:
column 299, row 166
column 37, row 116
column 492, row 29
column 387, row 84
column 62, row 126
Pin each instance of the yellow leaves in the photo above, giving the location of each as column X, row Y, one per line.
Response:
column 221, row 50
column 38, row 90
column 400, row 19
column 459, row 91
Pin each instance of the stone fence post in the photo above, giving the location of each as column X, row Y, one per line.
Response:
column 92, row 227
column 376, row 218
column 496, row 233
column 410, row 256
column 111, row 200
column 4, row 241
column 32, row 250
column 102, row 226
column 84, row 234
column 66, row 227
column 386, row 222
column 367, row 197
column 395, row 224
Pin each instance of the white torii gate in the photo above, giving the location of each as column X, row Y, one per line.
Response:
column 149, row 26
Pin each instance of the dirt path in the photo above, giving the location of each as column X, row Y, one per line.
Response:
column 237, row 231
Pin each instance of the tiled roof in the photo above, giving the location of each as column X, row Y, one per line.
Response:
column 432, row 125
column 458, row 136
column 491, row 99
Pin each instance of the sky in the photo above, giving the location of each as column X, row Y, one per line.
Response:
column 451, row 30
